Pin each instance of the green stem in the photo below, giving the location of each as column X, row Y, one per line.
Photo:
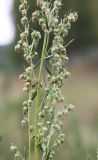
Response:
column 30, row 114
column 45, row 45
column 29, row 125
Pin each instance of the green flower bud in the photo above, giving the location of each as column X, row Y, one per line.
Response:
column 71, row 107
column 24, row 12
column 51, row 156
column 25, row 103
column 29, row 102
column 27, row 84
column 44, row 27
column 21, row 7
column 20, row 42
column 25, row 89
column 23, row 35
column 28, row 58
column 24, row 123
column 17, row 156
column 28, row 70
column 57, row 4
column 25, row 45
column 68, row 25
column 46, row 107
column 66, row 74
column 72, row 17
column 17, row 48
column 24, row 20
column 36, row 35
column 41, row 21
column 35, row 15
column 25, row 109
column 42, row 114
column 60, row 114
column 35, row 55
column 13, row 148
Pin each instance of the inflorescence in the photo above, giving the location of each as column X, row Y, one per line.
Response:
column 48, row 120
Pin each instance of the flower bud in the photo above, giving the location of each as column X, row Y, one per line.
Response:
column 68, row 25
column 24, row 123
column 17, row 156
column 35, row 15
column 17, row 48
column 36, row 35
column 28, row 70
column 70, row 107
column 66, row 74
column 35, row 55
column 25, row 45
column 24, row 35
column 44, row 6
column 25, row 89
column 24, row 20
column 13, row 148
column 21, row 6
column 27, row 84
column 20, row 42
column 24, row 12
column 41, row 21
column 25, row 109
column 72, row 17
column 21, row 77
column 29, row 102
column 28, row 58
column 44, row 26
column 25, row 2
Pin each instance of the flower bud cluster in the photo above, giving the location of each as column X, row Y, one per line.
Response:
column 41, row 18
column 57, row 4
column 28, row 104
column 50, row 152
column 30, row 83
column 54, row 121
column 23, row 10
column 62, row 27
column 59, row 57
column 48, row 121
column 45, row 7
column 22, row 44
column 72, row 17
column 25, row 112
column 58, row 120
column 15, row 151
column 51, row 100
column 35, row 16
column 57, row 62
column 59, row 141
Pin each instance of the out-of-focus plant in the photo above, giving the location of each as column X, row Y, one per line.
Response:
column 46, row 129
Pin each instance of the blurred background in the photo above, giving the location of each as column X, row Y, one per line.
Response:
column 82, row 125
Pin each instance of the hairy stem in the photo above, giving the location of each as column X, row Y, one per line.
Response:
column 45, row 45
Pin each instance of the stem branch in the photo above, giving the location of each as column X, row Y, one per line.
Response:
column 44, row 50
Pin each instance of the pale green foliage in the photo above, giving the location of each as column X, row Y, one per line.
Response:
column 48, row 120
